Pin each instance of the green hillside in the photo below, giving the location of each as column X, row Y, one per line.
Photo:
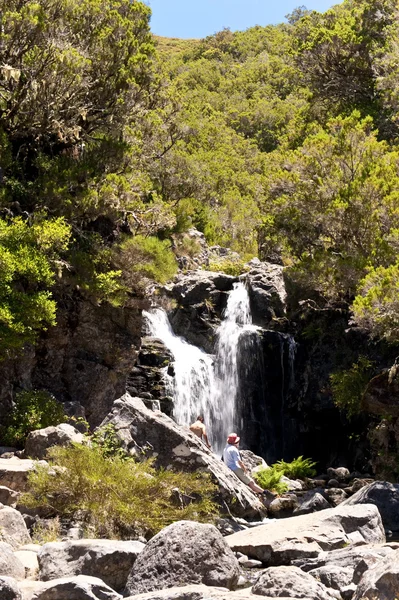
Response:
column 275, row 141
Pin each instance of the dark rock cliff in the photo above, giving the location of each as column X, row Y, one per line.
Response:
column 84, row 360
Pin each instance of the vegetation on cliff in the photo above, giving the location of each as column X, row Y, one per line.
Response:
column 277, row 140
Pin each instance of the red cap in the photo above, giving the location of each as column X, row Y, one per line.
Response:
column 233, row 438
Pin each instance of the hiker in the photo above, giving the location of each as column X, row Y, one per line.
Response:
column 199, row 429
column 232, row 459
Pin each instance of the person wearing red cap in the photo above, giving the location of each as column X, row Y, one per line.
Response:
column 232, row 460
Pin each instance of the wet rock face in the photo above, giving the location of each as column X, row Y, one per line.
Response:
column 85, row 358
column 266, row 386
column 146, row 379
column 201, row 298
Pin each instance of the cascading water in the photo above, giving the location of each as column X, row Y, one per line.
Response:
column 237, row 319
column 204, row 384
column 193, row 371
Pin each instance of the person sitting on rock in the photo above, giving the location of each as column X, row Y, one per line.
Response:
column 199, row 429
column 232, row 459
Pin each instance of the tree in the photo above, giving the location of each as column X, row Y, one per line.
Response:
column 337, row 53
column 29, row 261
column 333, row 205
column 376, row 307
column 71, row 68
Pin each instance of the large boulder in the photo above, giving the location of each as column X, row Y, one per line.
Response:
column 306, row 536
column 200, row 592
column 385, row 496
column 8, row 497
column 195, row 592
column 81, row 587
column 312, row 501
column 342, row 569
column 382, row 581
column 157, row 435
column 13, row 528
column 28, row 557
column 196, row 286
column 201, row 297
column 10, row 565
column 291, row 582
column 267, row 292
column 9, row 589
column 39, row 441
column 14, row 473
column 183, row 553
column 110, row 560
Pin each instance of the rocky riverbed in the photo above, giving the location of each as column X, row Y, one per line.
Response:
column 333, row 546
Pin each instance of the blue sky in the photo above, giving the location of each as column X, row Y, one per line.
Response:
column 199, row 18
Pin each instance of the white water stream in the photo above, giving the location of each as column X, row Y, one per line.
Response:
column 205, row 384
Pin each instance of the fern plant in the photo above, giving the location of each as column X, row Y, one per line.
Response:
column 299, row 468
column 270, row 479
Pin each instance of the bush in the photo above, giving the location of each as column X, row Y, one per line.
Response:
column 117, row 497
column 348, row 386
column 376, row 308
column 29, row 260
column 299, row 468
column 34, row 409
column 230, row 266
column 269, row 479
column 146, row 256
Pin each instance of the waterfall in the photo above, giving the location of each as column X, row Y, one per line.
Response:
column 193, row 371
column 236, row 320
column 205, row 384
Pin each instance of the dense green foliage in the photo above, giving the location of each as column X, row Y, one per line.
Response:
column 348, row 386
column 279, row 140
column 34, row 409
column 117, row 496
column 29, row 259
column 270, row 477
column 299, row 468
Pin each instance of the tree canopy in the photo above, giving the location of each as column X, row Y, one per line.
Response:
column 275, row 139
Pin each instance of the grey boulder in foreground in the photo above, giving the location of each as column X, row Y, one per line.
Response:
column 183, row 553
column 281, row 542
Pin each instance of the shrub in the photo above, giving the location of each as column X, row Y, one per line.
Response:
column 187, row 246
column 376, row 308
column 269, row 479
column 33, row 409
column 107, row 442
column 46, row 530
column 230, row 266
column 146, row 256
column 29, row 260
column 299, row 468
column 348, row 386
column 116, row 496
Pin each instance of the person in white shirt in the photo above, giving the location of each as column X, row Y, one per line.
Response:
column 232, row 460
